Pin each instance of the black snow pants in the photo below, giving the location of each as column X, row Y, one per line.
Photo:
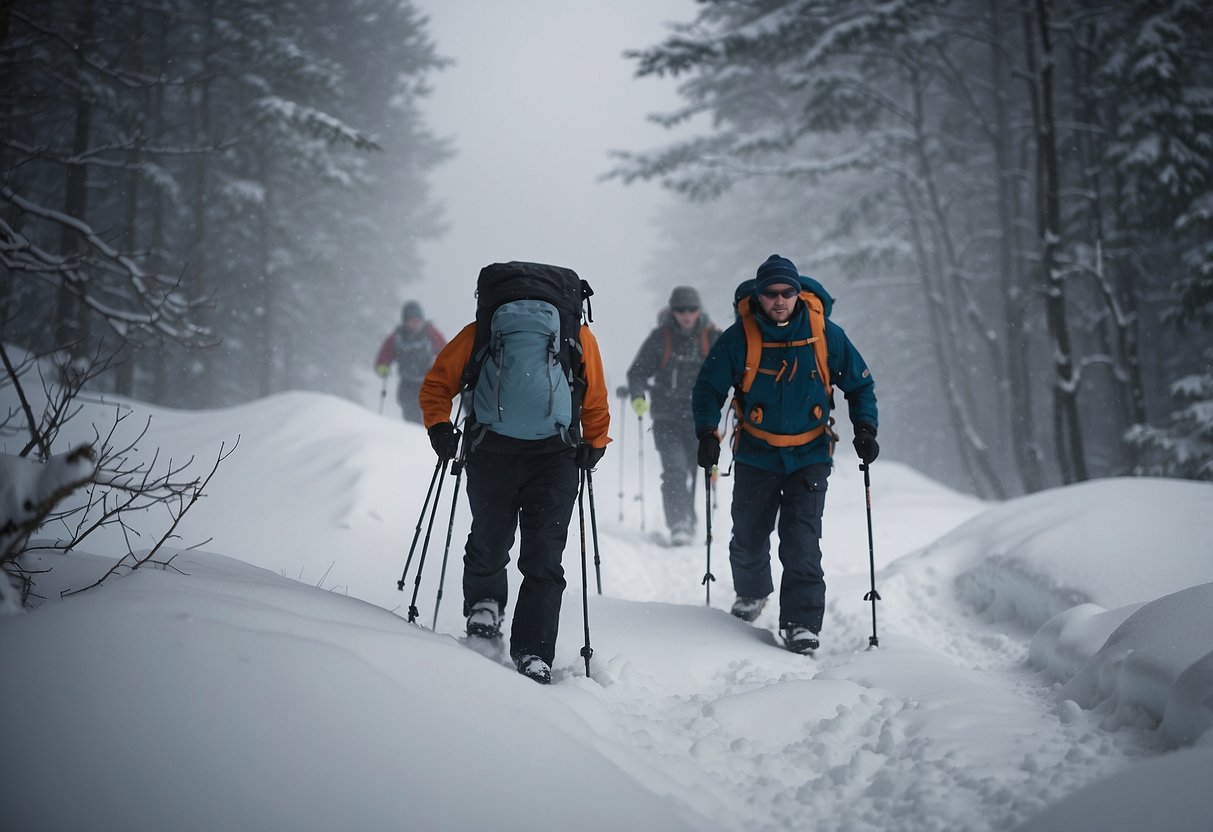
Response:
column 679, row 449
column 534, row 492
column 799, row 500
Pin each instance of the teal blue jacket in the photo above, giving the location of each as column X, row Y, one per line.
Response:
column 787, row 404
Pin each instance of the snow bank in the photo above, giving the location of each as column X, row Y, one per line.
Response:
column 1149, row 537
column 1168, row 792
column 233, row 698
column 1158, row 661
column 1118, row 605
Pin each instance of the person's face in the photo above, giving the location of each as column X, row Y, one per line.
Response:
column 778, row 301
column 686, row 316
column 413, row 324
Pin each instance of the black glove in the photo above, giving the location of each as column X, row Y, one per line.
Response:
column 866, row 446
column 709, row 449
column 588, row 456
column 445, row 440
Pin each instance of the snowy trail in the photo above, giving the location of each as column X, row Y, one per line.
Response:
column 713, row 714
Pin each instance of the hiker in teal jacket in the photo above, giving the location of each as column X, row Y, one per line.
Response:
column 783, row 456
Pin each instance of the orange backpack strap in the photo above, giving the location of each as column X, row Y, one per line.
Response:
column 817, row 326
column 753, row 344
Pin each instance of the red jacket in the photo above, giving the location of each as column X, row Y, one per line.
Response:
column 387, row 352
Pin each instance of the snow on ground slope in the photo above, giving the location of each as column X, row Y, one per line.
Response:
column 249, row 700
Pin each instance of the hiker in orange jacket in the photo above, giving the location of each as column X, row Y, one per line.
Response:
column 512, row 484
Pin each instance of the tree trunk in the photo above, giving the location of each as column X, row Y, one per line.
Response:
column 267, row 299
column 155, row 117
column 958, row 308
column 124, row 374
column 202, row 385
column 70, row 324
column 1067, row 425
column 1016, row 370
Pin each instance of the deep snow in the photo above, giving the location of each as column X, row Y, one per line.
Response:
column 1043, row 662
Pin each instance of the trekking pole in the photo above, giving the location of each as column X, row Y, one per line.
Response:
column 589, row 478
column 417, row 531
column 425, row 546
column 708, row 577
column 586, row 651
column 450, row 527
column 872, row 595
column 640, row 479
column 622, row 392
column 383, row 397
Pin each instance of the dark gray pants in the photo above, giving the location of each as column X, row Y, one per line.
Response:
column 799, row 500
column 679, row 449
column 534, row 492
column 407, row 394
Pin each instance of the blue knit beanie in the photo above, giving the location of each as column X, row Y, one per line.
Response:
column 776, row 269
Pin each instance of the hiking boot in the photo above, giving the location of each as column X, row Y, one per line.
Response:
column 484, row 621
column 747, row 609
column 680, row 537
column 534, row 668
column 799, row 639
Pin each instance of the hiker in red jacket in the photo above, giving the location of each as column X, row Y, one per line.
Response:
column 412, row 346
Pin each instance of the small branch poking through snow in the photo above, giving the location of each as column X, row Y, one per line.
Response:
column 195, row 490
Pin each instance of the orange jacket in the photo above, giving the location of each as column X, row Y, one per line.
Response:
column 441, row 385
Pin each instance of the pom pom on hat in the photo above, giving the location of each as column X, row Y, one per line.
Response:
column 776, row 269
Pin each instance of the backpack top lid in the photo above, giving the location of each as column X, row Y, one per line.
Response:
column 500, row 283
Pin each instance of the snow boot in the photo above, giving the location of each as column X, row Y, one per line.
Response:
column 534, row 668
column 484, row 621
column 799, row 639
column 680, row 536
column 747, row 609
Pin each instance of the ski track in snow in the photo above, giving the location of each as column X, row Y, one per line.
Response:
column 846, row 766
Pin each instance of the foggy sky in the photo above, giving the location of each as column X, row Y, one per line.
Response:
column 538, row 95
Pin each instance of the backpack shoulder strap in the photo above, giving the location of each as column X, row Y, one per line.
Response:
column 753, row 344
column 667, row 346
column 817, row 328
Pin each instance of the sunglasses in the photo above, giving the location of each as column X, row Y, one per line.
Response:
column 685, row 308
column 788, row 293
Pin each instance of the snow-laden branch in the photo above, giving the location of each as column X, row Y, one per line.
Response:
column 149, row 301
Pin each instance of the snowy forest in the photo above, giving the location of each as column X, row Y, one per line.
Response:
column 1020, row 195
column 197, row 197
column 1012, row 201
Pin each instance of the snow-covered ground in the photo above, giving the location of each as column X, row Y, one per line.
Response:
column 1044, row 663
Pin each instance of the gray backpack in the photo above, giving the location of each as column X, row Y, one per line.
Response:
column 525, row 378
column 522, row 390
